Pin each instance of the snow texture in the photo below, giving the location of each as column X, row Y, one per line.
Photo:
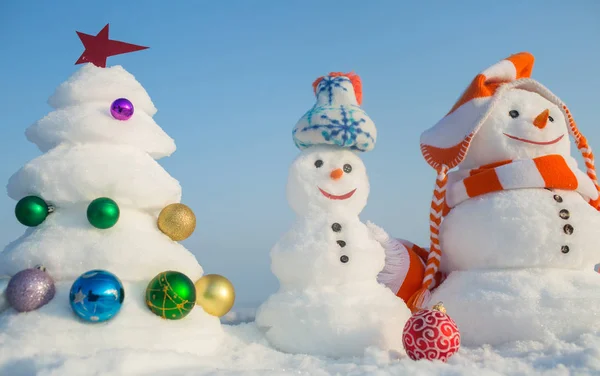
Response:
column 326, row 306
column 93, row 123
column 88, row 156
column 531, row 217
column 54, row 329
column 83, row 114
column 500, row 306
column 134, row 249
column 72, row 174
column 245, row 351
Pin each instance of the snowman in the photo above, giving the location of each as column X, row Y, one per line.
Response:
column 329, row 301
column 515, row 227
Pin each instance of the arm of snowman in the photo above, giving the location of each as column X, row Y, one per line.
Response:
column 404, row 266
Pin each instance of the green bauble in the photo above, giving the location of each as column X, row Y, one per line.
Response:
column 103, row 213
column 171, row 295
column 31, row 211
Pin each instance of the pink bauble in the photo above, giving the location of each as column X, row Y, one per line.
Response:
column 431, row 334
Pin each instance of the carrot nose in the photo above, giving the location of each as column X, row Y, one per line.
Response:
column 336, row 174
column 542, row 119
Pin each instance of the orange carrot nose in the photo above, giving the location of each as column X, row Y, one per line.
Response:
column 336, row 174
column 542, row 119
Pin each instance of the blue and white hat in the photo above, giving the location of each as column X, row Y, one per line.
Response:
column 336, row 118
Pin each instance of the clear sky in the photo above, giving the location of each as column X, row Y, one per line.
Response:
column 231, row 78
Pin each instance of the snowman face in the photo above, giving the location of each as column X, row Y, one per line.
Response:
column 328, row 178
column 523, row 125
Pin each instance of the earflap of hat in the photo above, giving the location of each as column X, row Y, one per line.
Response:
column 447, row 142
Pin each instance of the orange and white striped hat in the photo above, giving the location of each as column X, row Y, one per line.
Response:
column 445, row 145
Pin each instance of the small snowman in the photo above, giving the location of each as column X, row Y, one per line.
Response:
column 330, row 302
column 515, row 227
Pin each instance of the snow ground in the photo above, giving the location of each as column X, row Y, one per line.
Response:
column 246, row 352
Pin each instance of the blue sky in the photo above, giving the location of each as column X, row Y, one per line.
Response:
column 231, row 78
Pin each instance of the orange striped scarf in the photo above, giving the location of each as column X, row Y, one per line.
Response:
column 549, row 171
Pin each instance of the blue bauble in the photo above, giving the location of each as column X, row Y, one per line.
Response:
column 97, row 296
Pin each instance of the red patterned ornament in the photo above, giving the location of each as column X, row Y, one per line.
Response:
column 431, row 334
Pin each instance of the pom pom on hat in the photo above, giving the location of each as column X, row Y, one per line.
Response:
column 336, row 118
column 445, row 145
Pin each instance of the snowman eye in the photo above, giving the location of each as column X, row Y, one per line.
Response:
column 347, row 168
column 513, row 114
column 551, row 119
column 318, row 163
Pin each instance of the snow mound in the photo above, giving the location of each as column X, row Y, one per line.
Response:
column 334, row 321
column 244, row 351
column 93, row 84
column 68, row 175
column 68, row 245
column 544, row 305
column 54, row 330
column 93, row 123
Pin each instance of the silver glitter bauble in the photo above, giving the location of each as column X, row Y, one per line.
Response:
column 30, row 289
column 4, row 279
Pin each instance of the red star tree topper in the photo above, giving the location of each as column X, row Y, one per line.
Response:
column 98, row 48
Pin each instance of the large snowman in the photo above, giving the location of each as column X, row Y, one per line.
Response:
column 516, row 226
column 329, row 301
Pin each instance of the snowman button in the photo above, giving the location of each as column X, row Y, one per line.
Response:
column 341, row 243
column 568, row 229
column 564, row 249
column 344, row 259
column 557, row 198
column 336, row 227
column 564, row 214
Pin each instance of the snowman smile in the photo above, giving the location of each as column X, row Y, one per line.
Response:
column 335, row 197
column 535, row 142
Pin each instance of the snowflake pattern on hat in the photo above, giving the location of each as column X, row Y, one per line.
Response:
column 336, row 118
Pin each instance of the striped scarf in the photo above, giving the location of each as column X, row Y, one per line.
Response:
column 549, row 171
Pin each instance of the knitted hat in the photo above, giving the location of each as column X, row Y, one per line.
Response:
column 445, row 145
column 336, row 118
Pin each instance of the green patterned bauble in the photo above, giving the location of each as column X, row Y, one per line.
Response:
column 103, row 213
column 171, row 295
column 31, row 211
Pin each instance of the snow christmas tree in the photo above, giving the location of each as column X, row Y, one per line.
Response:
column 104, row 191
column 329, row 301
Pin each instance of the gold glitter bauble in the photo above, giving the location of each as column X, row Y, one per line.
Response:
column 215, row 294
column 439, row 307
column 177, row 221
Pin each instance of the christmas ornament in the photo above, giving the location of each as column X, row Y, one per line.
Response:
column 32, row 211
column 4, row 279
column 177, row 221
column 97, row 296
column 431, row 334
column 98, row 48
column 215, row 294
column 103, row 213
column 30, row 289
column 171, row 295
column 121, row 109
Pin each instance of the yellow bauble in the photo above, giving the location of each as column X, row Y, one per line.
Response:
column 215, row 294
column 177, row 221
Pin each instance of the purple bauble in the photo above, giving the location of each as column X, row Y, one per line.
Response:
column 30, row 289
column 121, row 109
